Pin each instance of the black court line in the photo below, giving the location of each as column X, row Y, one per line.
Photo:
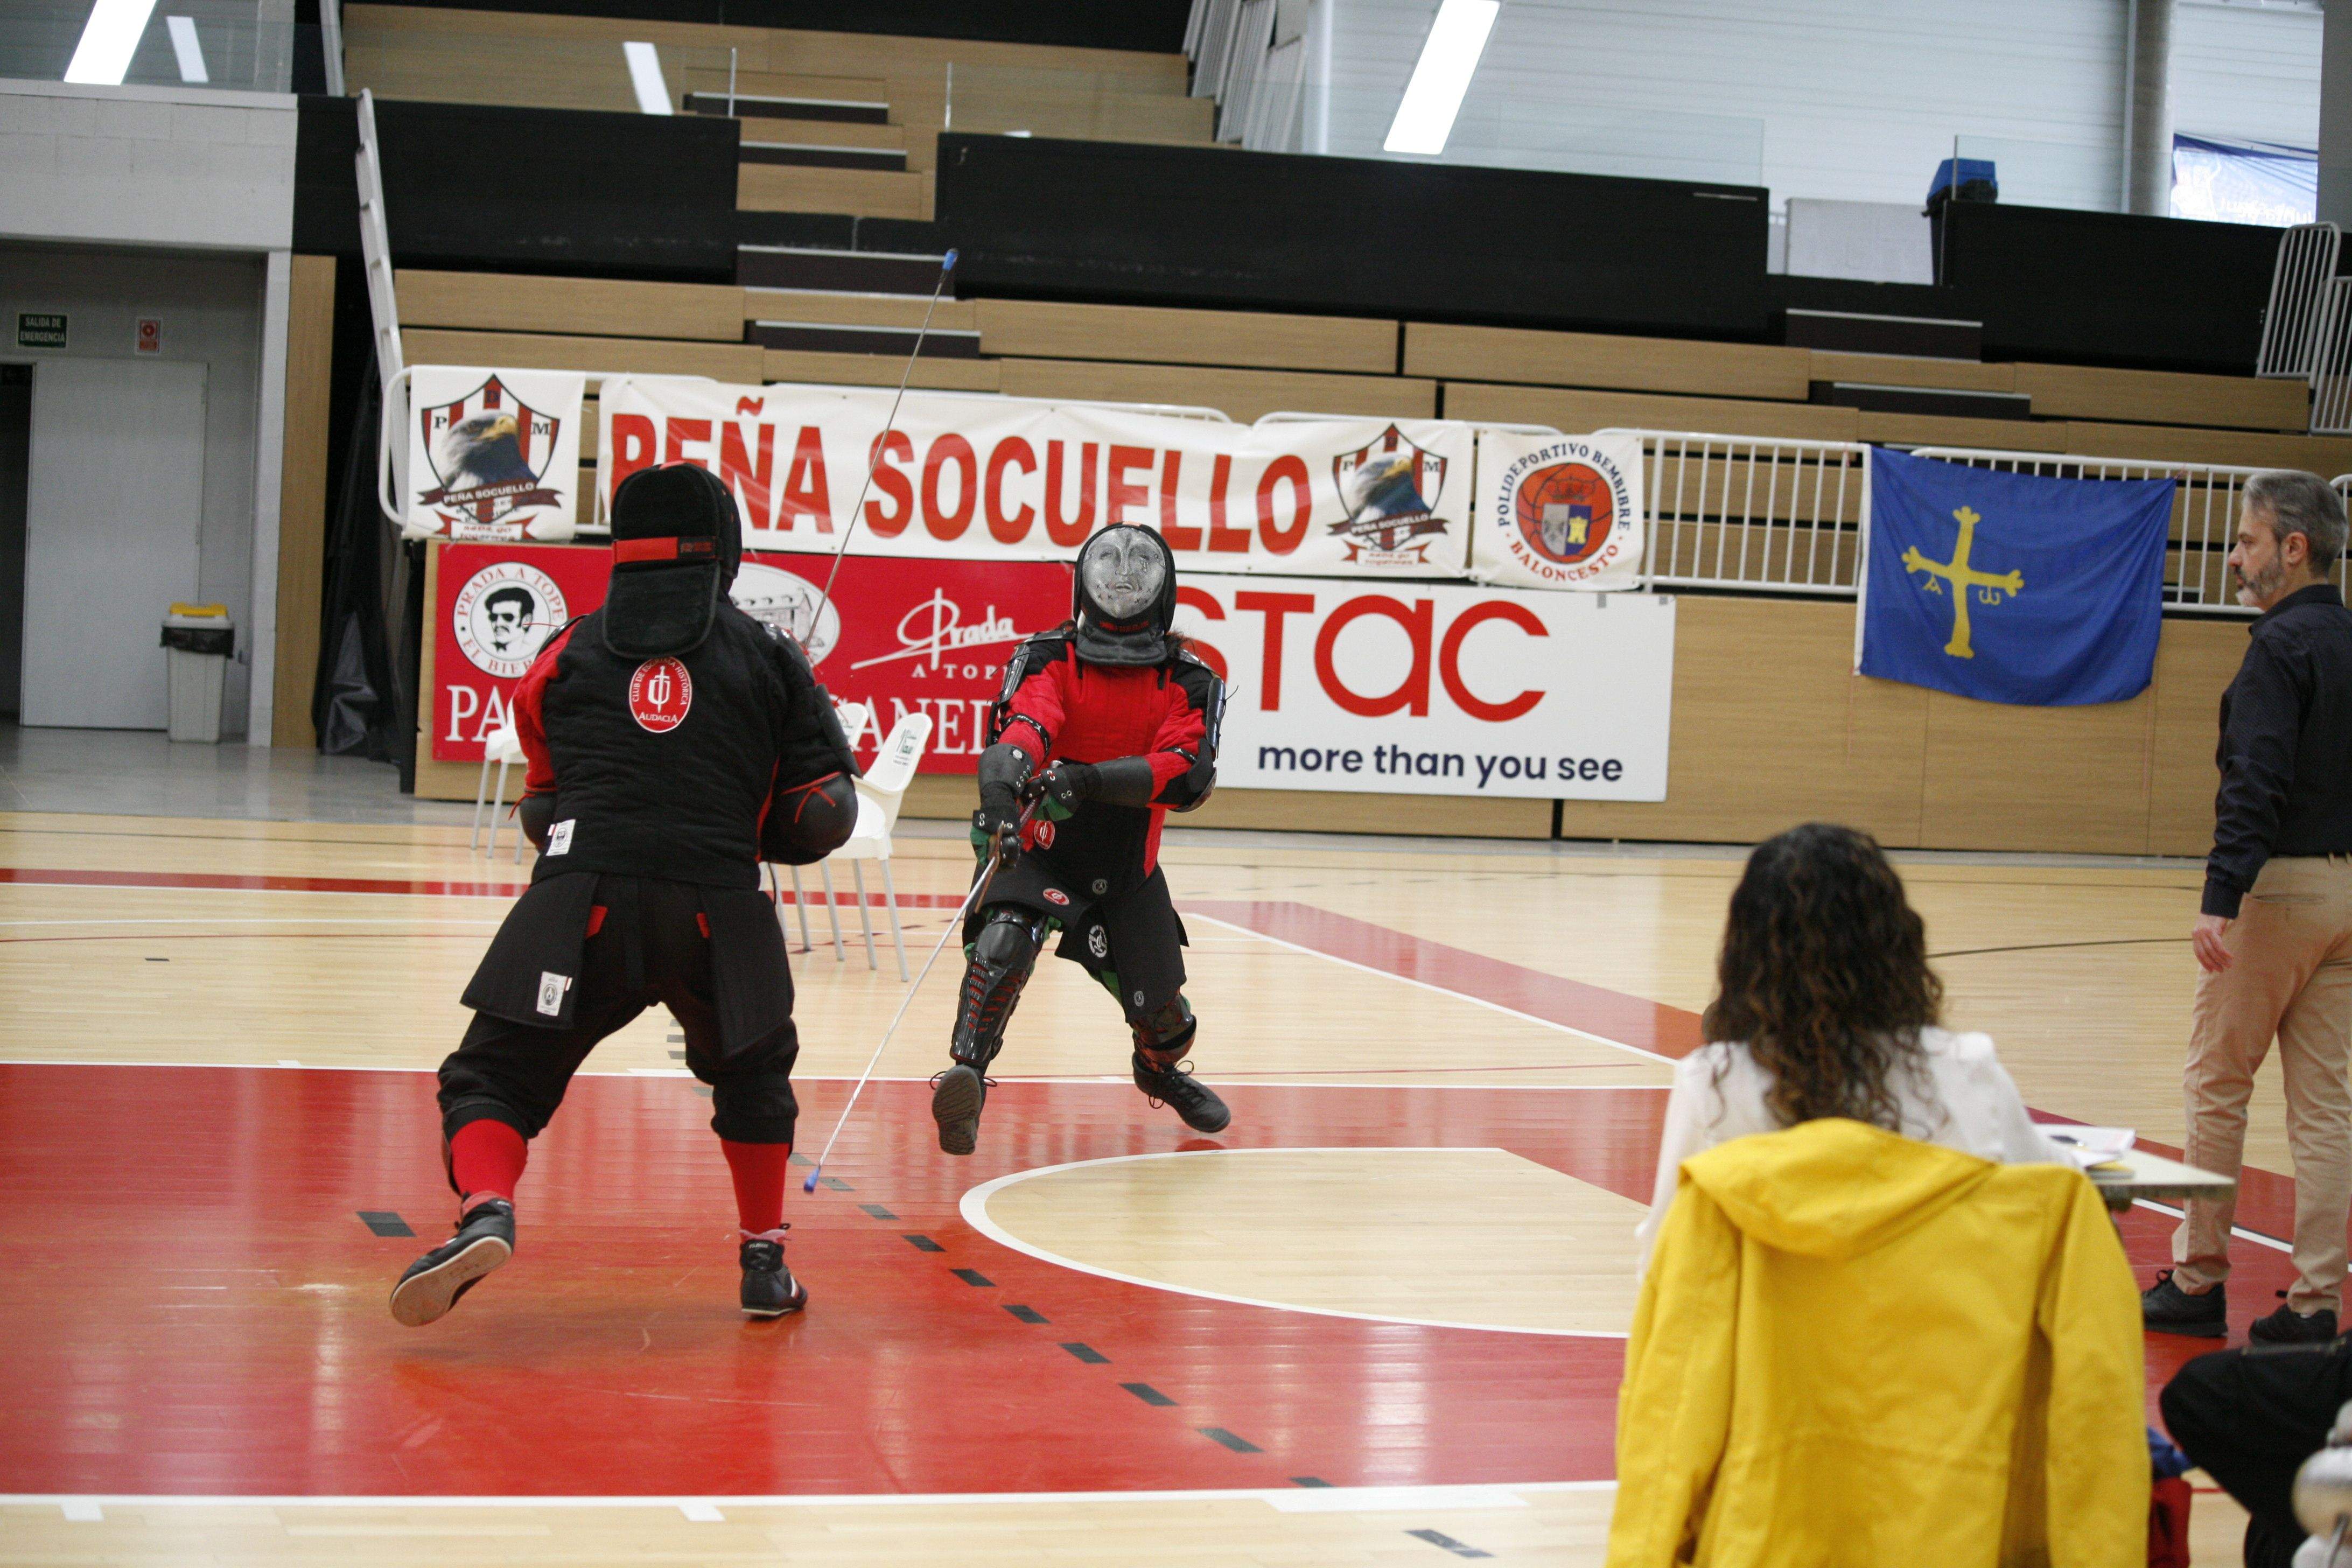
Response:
column 800, row 1159
column 2049, row 946
column 975, row 1277
column 677, row 1055
column 384, row 1222
column 1238, row 1444
column 923, row 1244
column 1146, row 1393
column 1087, row 1353
column 1439, row 1538
column 159, row 960
column 1027, row 1314
column 1308, row 1481
column 877, row 1211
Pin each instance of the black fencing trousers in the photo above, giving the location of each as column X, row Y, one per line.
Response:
column 649, row 946
column 2250, row 1418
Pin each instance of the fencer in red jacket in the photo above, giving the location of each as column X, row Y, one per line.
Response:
column 1105, row 725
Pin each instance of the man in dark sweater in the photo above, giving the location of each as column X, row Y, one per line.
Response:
column 2274, row 938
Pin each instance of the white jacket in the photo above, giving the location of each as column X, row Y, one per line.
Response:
column 1963, row 1100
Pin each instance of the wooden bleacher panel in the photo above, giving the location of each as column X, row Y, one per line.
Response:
column 516, row 70
column 772, row 84
column 879, row 370
column 2156, row 397
column 1889, row 757
column 1577, row 412
column 819, row 305
column 1952, row 430
column 862, row 192
column 1592, row 360
column 1900, row 370
column 581, row 307
column 640, row 356
column 1044, row 105
column 1241, row 395
column 2326, row 455
column 302, row 496
column 1037, row 329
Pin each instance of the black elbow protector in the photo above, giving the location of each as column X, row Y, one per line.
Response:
column 537, row 814
column 808, row 822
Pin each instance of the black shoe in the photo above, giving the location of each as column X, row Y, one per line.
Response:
column 1173, row 1085
column 957, row 1096
column 2288, row 1327
column 2166, row 1309
column 769, row 1288
column 485, row 1239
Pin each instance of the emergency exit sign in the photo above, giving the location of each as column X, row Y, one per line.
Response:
column 39, row 330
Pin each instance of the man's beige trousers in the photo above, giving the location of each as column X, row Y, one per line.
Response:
column 2293, row 981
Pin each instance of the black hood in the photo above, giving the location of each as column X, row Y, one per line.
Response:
column 676, row 542
column 1142, row 641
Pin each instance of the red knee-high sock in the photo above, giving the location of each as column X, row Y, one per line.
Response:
column 486, row 1161
column 759, row 1170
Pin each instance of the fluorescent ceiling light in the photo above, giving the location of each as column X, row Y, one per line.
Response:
column 1426, row 117
column 108, row 40
column 645, row 75
column 184, row 44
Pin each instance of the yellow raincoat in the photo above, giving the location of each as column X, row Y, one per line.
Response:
column 1855, row 1349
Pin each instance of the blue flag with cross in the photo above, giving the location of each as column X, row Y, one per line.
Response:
column 2012, row 587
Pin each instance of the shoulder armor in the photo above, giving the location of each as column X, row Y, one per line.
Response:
column 1034, row 653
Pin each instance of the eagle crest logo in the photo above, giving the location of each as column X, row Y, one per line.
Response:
column 1390, row 487
column 489, row 452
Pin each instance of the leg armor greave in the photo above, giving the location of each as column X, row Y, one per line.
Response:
column 997, row 966
column 1165, row 1036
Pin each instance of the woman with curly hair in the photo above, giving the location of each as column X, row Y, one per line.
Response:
column 1824, row 1005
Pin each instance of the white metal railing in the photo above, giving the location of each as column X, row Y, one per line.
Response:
column 2331, row 362
column 2204, row 514
column 1754, row 512
column 2307, row 261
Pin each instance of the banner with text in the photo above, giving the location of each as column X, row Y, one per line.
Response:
column 1437, row 689
column 1558, row 511
column 985, row 480
column 493, row 454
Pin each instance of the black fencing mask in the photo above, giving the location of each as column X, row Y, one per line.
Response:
column 1124, row 599
column 676, row 544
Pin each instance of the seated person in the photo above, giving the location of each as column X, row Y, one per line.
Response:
column 1825, row 1006
column 2250, row 1418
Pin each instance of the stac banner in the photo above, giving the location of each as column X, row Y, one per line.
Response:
column 987, row 480
column 493, row 454
column 928, row 637
column 1437, row 689
column 1558, row 511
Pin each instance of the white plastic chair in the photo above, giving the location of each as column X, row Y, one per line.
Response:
column 879, row 794
column 504, row 747
column 856, row 718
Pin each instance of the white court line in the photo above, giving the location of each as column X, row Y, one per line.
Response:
column 1474, row 1495
column 974, row 1209
column 1442, row 991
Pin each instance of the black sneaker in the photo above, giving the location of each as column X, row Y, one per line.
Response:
column 485, row 1239
column 2166, row 1309
column 957, row 1096
column 1193, row 1100
column 2288, row 1327
column 769, row 1288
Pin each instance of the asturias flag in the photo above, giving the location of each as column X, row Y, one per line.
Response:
column 2012, row 587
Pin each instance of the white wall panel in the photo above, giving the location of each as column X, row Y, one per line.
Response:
column 2246, row 72
column 147, row 165
column 1843, row 99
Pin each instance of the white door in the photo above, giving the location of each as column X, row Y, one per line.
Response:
column 113, row 502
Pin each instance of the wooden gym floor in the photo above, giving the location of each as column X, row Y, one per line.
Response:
column 1380, row 1320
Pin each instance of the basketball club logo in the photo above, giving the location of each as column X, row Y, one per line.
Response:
column 490, row 453
column 504, row 615
column 1390, row 487
column 659, row 694
column 1570, row 512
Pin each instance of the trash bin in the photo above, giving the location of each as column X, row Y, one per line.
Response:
column 198, row 639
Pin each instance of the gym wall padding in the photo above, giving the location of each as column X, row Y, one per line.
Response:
column 482, row 188
column 1137, row 224
column 2085, row 288
column 1156, row 25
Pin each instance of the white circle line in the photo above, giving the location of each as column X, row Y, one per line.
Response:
column 974, row 1209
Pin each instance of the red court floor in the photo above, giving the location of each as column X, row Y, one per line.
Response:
column 198, row 1300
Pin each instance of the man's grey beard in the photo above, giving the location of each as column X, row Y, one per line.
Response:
column 2255, row 590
